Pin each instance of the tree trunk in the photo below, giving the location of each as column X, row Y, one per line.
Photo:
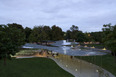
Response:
column 4, row 61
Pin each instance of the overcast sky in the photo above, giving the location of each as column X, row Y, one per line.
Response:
column 88, row 15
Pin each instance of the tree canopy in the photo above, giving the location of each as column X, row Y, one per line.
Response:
column 27, row 31
column 11, row 38
column 110, row 37
column 75, row 34
column 57, row 33
column 43, row 32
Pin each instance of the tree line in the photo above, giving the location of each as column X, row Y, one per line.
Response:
column 12, row 36
column 40, row 33
column 43, row 32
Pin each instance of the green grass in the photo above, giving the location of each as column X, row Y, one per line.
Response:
column 32, row 67
column 107, row 62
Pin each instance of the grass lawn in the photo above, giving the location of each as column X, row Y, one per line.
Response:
column 32, row 67
column 107, row 62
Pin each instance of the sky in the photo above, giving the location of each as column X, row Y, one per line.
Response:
column 88, row 15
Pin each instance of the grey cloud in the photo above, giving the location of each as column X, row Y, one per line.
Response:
column 89, row 15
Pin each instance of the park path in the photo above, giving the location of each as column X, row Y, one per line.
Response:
column 80, row 68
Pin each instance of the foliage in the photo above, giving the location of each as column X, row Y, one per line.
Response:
column 96, row 36
column 48, row 31
column 15, row 25
column 41, row 33
column 68, row 34
column 34, row 36
column 75, row 34
column 11, row 39
column 38, row 34
column 74, row 28
column 110, row 37
column 27, row 31
column 57, row 33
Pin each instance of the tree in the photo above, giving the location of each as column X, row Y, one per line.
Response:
column 110, row 37
column 15, row 25
column 68, row 34
column 75, row 34
column 57, row 33
column 39, row 33
column 10, row 42
column 88, row 37
column 96, row 36
column 48, row 32
column 27, row 33
column 74, row 28
column 34, row 36
column 81, row 37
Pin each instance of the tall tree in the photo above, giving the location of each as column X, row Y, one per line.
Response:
column 15, row 25
column 39, row 33
column 10, row 42
column 110, row 37
column 27, row 33
column 96, row 36
column 34, row 36
column 74, row 28
column 57, row 33
column 75, row 34
column 48, row 32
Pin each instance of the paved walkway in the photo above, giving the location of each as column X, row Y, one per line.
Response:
column 80, row 68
